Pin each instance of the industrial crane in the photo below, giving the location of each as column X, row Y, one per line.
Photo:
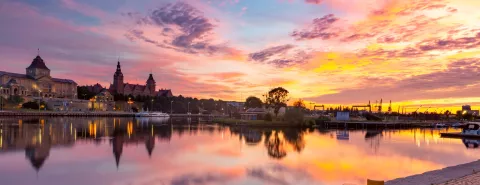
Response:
column 379, row 106
column 418, row 108
column 390, row 107
column 315, row 107
column 426, row 111
column 364, row 106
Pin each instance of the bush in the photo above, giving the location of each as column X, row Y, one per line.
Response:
column 268, row 117
column 30, row 105
column 323, row 118
column 309, row 122
column 294, row 115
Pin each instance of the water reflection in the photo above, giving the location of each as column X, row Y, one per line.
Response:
column 188, row 150
column 276, row 141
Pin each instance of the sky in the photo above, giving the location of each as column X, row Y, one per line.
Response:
column 412, row 52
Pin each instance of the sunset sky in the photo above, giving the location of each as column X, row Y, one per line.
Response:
column 413, row 52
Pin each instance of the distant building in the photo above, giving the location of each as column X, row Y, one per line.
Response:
column 253, row 114
column 36, row 82
column 149, row 89
column 467, row 109
column 97, row 88
column 238, row 105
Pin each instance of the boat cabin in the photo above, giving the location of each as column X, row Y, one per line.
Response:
column 471, row 129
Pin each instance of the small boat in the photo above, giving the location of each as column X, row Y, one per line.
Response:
column 439, row 125
column 457, row 125
column 343, row 135
column 470, row 130
column 151, row 114
column 471, row 143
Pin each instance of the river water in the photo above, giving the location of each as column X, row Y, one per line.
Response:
column 128, row 151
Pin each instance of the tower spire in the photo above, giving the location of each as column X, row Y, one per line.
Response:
column 38, row 51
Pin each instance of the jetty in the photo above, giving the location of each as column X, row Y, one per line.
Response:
column 372, row 124
column 449, row 175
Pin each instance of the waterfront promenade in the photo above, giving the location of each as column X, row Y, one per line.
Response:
column 90, row 114
column 463, row 174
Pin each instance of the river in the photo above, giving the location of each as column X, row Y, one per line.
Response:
column 129, row 151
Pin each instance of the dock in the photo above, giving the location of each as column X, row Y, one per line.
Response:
column 459, row 135
column 443, row 176
column 372, row 124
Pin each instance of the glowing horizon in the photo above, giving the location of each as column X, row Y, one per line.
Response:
column 335, row 52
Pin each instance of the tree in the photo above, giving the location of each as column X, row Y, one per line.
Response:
column 253, row 102
column 16, row 99
column 299, row 104
column 277, row 98
column 84, row 93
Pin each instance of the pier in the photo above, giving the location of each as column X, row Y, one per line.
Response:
column 449, row 175
column 372, row 124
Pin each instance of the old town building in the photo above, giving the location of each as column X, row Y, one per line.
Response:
column 149, row 89
column 36, row 82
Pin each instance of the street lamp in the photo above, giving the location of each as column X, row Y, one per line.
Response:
column 188, row 108
column 1, row 98
column 130, row 104
column 39, row 99
column 171, row 107
column 152, row 105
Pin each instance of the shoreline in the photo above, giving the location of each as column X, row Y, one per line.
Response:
column 440, row 176
column 87, row 114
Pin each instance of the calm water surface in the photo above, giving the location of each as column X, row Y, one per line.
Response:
column 127, row 151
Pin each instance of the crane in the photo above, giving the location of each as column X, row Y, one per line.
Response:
column 364, row 106
column 379, row 106
column 315, row 107
column 426, row 111
column 418, row 108
column 390, row 106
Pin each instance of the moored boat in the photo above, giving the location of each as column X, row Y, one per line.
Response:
column 151, row 114
column 469, row 130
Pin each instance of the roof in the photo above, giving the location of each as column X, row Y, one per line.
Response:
column 63, row 80
column 255, row 110
column 135, row 87
column 16, row 75
column 165, row 93
column 38, row 63
column 150, row 79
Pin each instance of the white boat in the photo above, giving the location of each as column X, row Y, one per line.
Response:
column 471, row 128
column 151, row 114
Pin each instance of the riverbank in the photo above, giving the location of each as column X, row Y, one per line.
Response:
column 30, row 113
column 255, row 123
column 458, row 174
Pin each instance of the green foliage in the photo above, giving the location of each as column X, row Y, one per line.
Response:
column 253, row 102
column 30, row 105
column 33, row 105
column 323, row 118
column 299, row 104
column 294, row 115
column 309, row 122
column 15, row 99
column 84, row 93
column 268, row 117
column 277, row 98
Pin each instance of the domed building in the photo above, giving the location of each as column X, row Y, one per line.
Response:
column 36, row 82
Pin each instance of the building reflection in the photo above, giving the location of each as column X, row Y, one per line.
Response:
column 35, row 139
column 39, row 136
